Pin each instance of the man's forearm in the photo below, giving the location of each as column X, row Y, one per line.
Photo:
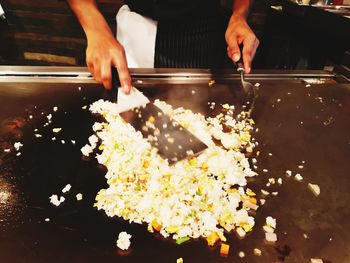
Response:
column 241, row 7
column 89, row 16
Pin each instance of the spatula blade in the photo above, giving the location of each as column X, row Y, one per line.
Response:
column 171, row 139
column 134, row 99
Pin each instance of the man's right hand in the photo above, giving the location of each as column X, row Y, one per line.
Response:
column 104, row 52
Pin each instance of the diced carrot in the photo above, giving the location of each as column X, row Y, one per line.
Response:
column 253, row 200
column 156, row 226
column 212, row 239
column 145, row 164
column 224, row 249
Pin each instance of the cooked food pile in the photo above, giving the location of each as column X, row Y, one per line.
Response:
column 203, row 196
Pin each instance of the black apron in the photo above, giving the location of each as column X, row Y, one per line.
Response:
column 190, row 34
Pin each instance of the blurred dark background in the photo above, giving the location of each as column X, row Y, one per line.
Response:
column 292, row 36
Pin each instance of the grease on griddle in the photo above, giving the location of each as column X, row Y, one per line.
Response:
column 283, row 251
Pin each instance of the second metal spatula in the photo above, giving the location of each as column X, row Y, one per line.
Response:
column 248, row 89
column 173, row 141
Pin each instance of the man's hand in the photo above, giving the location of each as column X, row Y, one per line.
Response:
column 104, row 52
column 239, row 33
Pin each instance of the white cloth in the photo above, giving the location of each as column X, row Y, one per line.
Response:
column 137, row 34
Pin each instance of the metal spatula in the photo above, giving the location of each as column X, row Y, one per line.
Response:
column 172, row 140
column 249, row 90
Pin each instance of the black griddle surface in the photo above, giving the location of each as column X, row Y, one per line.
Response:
column 296, row 124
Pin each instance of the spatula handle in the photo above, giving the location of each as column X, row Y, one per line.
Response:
column 115, row 78
column 240, row 67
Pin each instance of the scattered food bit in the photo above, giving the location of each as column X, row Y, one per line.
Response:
column 63, row 141
column 36, row 130
column 272, row 180
column 241, row 233
column 87, row 150
column 300, row 166
column 271, row 237
column 193, row 91
column 55, row 200
column 53, row 139
column 18, row 154
column 212, row 238
column 316, row 260
column 211, row 82
column 224, row 249
column 84, row 107
column 171, row 140
column 56, row 130
column 257, row 84
column 307, row 85
column 274, row 193
column 47, row 219
column 288, row 173
column 262, row 201
column 49, row 117
column 66, row 188
column 79, row 88
column 270, row 221
column 7, row 150
column 279, row 181
column 79, row 196
column 268, row 229
column 305, row 236
column 270, row 154
column 278, row 100
column 226, row 106
column 241, row 254
column 55, row 108
column 37, row 135
column 265, row 170
column 189, row 152
column 264, row 192
column 123, row 241
column 17, row 145
column 314, row 188
column 30, row 116
column 179, row 260
column 298, row 177
column 254, row 161
column 268, row 184
column 257, row 252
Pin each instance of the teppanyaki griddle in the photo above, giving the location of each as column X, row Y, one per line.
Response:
column 297, row 124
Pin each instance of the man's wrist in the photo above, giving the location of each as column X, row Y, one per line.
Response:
column 240, row 9
column 239, row 16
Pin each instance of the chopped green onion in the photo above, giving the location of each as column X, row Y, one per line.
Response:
column 181, row 240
